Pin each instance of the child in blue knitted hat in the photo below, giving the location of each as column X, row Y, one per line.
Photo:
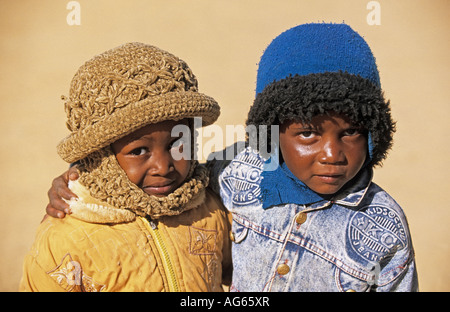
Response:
column 316, row 221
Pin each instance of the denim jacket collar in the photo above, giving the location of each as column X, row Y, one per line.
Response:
column 353, row 195
column 349, row 196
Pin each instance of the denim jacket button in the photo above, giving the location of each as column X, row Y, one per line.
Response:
column 301, row 218
column 283, row 269
column 351, row 290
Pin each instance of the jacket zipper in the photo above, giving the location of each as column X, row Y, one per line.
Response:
column 163, row 252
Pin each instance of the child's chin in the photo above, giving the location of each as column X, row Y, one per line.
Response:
column 327, row 192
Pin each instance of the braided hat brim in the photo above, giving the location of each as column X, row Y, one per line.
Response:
column 154, row 109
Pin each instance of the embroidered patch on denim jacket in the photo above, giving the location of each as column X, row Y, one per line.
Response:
column 375, row 231
column 241, row 179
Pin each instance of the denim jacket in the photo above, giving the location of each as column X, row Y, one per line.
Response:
column 359, row 241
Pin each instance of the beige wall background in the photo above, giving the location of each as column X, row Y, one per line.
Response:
column 222, row 41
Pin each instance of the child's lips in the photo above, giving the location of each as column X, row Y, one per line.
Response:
column 330, row 178
column 159, row 189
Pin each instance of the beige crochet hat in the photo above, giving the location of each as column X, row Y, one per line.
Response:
column 123, row 89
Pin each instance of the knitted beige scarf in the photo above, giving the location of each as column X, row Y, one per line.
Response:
column 107, row 182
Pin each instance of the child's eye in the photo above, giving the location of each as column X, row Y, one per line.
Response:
column 352, row 132
column 306, row 134
column 139, row 151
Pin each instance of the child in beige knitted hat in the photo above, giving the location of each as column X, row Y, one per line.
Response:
column 142, row 219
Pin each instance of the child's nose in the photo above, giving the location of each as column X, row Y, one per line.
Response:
column 161, row 163
column 332, row 152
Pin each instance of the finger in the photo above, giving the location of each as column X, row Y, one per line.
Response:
column 65, row 193
column 54, row 212
column 62, row 206
column 60, row 189
column 73, row 173
column 64, row 177
column 58, row 203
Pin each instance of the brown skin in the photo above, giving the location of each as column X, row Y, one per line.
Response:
column 325, row 154
column 146, row 157
column 57, row 207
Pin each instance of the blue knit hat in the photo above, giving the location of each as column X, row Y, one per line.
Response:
column 312, row 69
column 316, row 48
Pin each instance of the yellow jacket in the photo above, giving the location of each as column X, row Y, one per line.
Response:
column 188, row 252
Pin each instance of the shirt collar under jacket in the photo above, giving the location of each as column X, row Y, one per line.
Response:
column 280, row 187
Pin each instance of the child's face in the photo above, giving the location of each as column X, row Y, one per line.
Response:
column 146, row 157
column 325, row 154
